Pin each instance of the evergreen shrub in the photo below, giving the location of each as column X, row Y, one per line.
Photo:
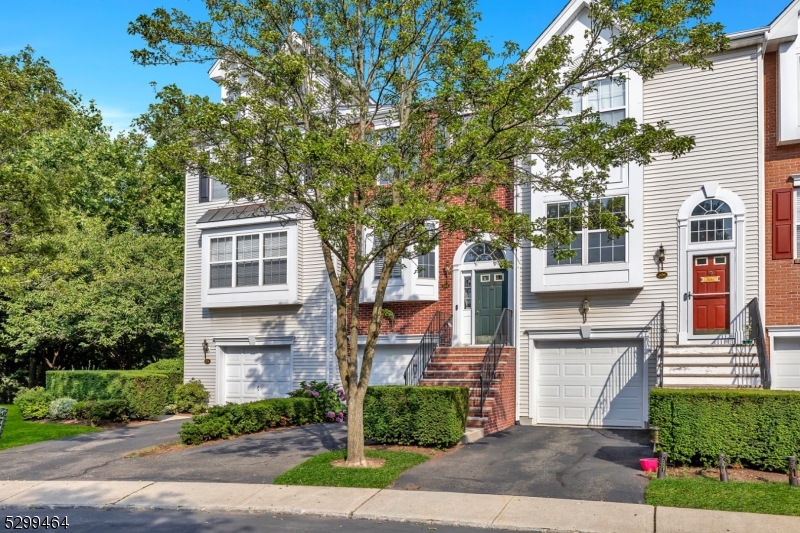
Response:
column 146, row 393
column 424, row 416
column 754, row 428
column 34, row 403
column 230, row 420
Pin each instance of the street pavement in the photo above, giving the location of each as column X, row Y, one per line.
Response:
column 434, row 509
column 548, row 462
column 146, row 521
column 255, row 458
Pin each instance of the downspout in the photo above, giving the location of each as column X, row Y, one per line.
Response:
column 761, row 178
column 517, row 301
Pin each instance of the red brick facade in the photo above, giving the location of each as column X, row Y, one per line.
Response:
column 782, row 275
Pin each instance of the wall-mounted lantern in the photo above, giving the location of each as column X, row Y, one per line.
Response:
column 448, row 268
column 206, row 360
column 661, row 256
column 585, row 308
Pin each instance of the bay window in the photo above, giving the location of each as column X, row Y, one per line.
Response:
column 599, row 247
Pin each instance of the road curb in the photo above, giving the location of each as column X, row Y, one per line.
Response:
column 489, row 511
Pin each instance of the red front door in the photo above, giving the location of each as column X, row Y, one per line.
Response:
column 711, row 295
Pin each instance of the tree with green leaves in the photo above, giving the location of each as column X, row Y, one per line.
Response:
column 388, row 123
column 91, row 233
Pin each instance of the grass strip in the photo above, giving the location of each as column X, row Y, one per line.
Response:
column 19, row 433
column 746, row 497
column 318, row 470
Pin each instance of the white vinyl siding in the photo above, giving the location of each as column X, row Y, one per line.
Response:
column 720, row 108
column 306, row 323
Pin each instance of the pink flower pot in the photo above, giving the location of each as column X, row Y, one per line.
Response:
column 649, row 465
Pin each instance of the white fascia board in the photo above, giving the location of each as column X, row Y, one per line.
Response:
column 564, row 19
column 784, row 27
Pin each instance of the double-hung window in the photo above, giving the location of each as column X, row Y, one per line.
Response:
column 260, row 259
column 608, row 99
column 397, row 270
column 591, row 244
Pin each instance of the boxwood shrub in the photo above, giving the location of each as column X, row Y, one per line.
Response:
column 34, row 403
column 100, row 410
column 166, row 366
column 425, row 416
column 757, row 428
column 146, row 393
column 225, row 421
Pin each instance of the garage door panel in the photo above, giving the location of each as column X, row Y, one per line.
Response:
column 575, row 369
column 550, row 391
column 786, row 363
column 549, row 370
column 256, row 373
column 599, row 383
column 574, row 391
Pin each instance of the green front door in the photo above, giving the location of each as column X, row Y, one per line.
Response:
column 492, row 298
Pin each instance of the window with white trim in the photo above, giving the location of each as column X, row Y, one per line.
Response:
column 397, row 270
column 608, row 98
column 219, row 191
column 591, row 244
column 711, row 221
column 260, row 259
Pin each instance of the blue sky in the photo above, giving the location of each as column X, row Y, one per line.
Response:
column 87, row 43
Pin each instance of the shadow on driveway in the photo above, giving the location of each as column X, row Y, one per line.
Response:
column 551, row 462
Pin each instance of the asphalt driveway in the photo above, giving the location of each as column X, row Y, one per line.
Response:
column 255, row 458
column 550, row 462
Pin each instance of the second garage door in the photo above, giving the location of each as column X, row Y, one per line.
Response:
column 786, row 363
column 591, row 383
column 257, row 372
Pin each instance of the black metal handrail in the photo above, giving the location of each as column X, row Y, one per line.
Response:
column 503, row 336
column 439, row 333
column 754, row 333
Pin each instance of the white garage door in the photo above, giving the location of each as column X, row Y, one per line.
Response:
column 257, row 372
column 594, row 383
column 786, row 363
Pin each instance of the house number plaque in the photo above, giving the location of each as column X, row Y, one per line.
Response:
column 709, row 279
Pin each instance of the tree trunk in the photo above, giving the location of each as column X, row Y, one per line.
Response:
column 355, row 429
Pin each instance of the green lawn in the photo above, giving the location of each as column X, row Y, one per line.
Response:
column 18, row 432
column 319, row 472
column 704, row 493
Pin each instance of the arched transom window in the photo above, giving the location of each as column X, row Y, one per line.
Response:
column 711, row 221
column 483, row 252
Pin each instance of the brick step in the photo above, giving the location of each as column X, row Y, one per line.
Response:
column 475, row 410
column 439, row 382
column 449, row 365
column 476, row 421
column 459, row 374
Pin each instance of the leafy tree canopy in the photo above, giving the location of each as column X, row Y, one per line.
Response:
column 376, row 117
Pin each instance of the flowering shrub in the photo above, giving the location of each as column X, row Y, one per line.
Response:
column 330, row 398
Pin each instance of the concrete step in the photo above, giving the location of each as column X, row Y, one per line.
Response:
column 711, row 380
column 701, row 369
column 723, row 359
column 476, row 421
column 709, row 349
column 472, row 434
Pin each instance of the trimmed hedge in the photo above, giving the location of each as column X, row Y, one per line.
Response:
column 166, row 366
column 33, row 403
column 425, row 416
column 225, row 421
column 758, row 428
column 99, row 410
column 146, row 393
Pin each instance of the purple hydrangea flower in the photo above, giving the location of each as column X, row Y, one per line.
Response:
column 330, row 387
column 331, row 414
column 314, row 393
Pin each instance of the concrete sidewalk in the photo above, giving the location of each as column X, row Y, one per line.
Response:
column 445, row 508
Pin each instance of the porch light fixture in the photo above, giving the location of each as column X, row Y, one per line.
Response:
column 206, row 360
column 448, row 268
column 585, row 308
column 661, row 256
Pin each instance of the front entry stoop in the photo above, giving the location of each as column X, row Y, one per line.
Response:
column 711, row 366
column 461, row 367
